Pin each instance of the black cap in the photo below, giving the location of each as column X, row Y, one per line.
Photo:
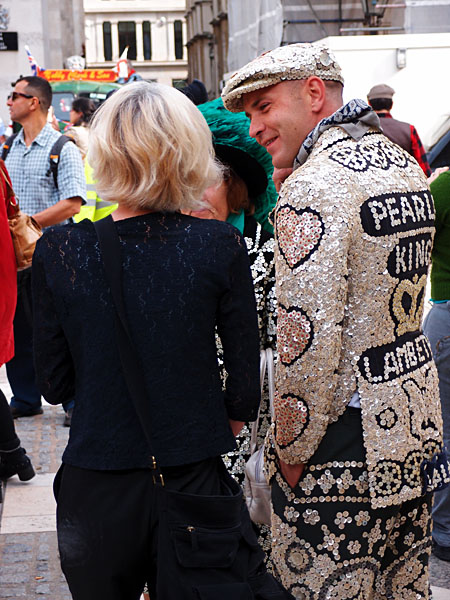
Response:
column 196, row 92
column 244, row 165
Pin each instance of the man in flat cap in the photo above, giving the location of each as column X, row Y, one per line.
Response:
column 403, row 134
column 356, row 448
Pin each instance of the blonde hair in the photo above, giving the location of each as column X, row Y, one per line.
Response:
column 150, row 148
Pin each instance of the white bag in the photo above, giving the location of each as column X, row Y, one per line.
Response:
column 256, row 489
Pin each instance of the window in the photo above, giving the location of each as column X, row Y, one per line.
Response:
column 127, row 37
column 178, row 32
column 107, row 44
column 147, row 39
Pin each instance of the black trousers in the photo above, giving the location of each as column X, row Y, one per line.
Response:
column 107, row 524
column 328, row 541
column 8, row 438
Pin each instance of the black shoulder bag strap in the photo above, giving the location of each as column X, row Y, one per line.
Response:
column 55, row 155
column 131, row 364
column 7, row 145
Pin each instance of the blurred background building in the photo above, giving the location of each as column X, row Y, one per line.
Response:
column 153, row 30
column 405, row 43
column 222, row 35
column 53, row 29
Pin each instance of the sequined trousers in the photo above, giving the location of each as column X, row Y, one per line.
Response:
column 329, row 543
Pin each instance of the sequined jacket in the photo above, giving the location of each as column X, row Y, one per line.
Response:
column 354, row 227
column 260, row 247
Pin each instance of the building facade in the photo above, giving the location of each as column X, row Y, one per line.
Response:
column 223, row 35
column 53, row 29
column 153, row 30
column 207, row 42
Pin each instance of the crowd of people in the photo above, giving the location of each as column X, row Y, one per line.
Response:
column 180, row 242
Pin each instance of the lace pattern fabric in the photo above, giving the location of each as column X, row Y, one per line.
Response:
column 182, row 278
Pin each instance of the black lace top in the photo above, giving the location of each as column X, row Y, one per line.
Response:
column 182, row 278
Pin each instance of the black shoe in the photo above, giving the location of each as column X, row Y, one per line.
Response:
column 441, row 552
column 16, row 463
column 16, row 413
column 68, row 418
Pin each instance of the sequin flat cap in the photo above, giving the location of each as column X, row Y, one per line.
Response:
column 296, row 61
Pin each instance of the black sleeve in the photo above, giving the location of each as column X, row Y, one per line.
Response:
column 238, row 329
column 53, row 363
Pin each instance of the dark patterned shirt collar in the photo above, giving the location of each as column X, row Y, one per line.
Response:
column 356, row 118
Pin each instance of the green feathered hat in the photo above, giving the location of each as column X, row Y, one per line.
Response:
column 252, row 162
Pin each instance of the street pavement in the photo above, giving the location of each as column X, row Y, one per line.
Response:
column 29, row 563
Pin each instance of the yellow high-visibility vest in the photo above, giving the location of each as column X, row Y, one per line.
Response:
column 95, row 208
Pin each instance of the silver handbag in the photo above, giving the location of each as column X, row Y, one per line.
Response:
column 256, row 489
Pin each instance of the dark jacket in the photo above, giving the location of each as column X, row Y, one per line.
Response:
column 182, row 277
column 397, row 131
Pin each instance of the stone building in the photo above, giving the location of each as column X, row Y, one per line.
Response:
column 207, row 42
column 53, row 29
column 153, row 30
column 223, row 35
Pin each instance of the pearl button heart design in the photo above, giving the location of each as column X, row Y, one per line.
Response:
column 294, row 332
column 292, row 417
column 298, row 234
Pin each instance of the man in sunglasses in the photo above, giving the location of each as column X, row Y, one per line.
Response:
column 50, row 202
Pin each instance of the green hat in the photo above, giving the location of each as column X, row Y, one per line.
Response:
column 249, row 160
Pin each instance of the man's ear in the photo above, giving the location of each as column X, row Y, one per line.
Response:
column 316, row 91
column 35, row 104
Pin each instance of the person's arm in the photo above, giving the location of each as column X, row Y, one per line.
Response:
column 71, row 188
column 311, row 302
column 440, row 190
column 55, row 375
column 236, row 426
column 238, row 330
column 59, row 212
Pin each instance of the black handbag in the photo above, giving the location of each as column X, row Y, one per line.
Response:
column 207, row 547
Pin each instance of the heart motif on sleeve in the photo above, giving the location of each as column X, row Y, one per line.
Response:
column 298, row 234
column 292, row 417
column 294, row 331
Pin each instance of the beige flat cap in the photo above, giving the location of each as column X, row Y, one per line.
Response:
column 382, row 90
column 295, row 61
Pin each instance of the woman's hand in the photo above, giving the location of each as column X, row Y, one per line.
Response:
column 279, row 175
column 236, row 426
column 291, row 473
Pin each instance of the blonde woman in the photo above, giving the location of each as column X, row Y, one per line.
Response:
column 151, row 153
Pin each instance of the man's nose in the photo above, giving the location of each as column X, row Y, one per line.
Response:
column 256, row 128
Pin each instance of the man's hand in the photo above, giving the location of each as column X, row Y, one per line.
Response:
column 236, row 426
column 279, row 175
column 291, row 473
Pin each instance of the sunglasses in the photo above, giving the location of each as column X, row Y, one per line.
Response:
column 14, row 95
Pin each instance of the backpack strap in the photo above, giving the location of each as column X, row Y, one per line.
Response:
column 55, row 154
column 7, row 145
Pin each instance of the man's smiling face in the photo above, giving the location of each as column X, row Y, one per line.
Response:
column 280, row 119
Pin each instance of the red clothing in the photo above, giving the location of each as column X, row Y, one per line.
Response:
column 419, row 151
column 8, row 279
